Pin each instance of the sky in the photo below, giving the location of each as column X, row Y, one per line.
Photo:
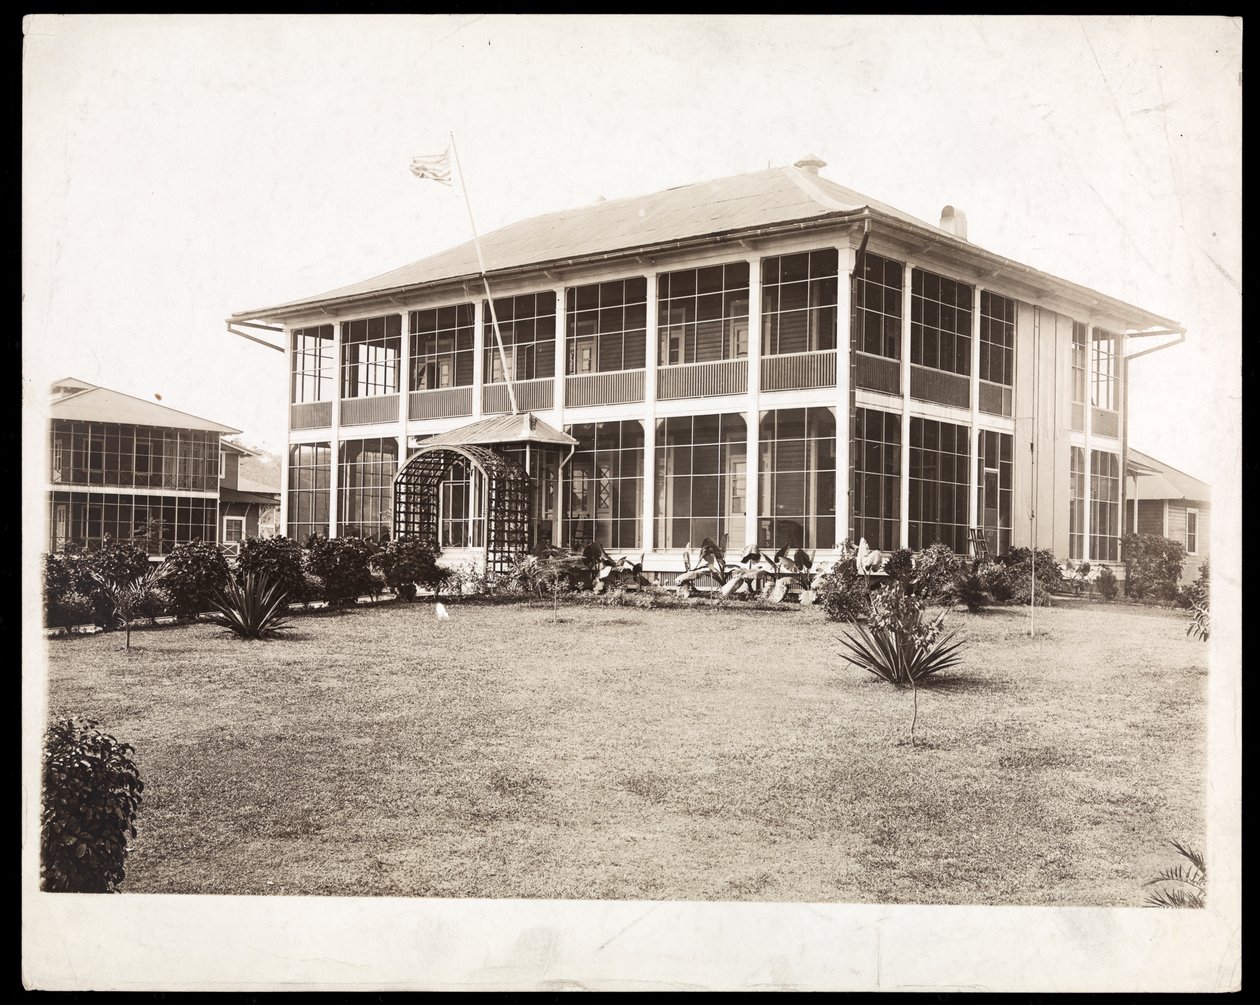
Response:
column 181, row 168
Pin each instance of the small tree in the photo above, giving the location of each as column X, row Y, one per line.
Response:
column 138, row 597
column 1152, row 566
column 91, row 796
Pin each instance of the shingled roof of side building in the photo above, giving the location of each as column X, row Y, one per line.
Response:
column 765, row 203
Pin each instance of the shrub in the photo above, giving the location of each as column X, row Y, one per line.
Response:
column 936, row 573
column 254, row 608
column 971, row 589
column 194, row 574
column 1200, row 603
column 900, row 566
column 1107, row 586
column 75, row 608
column 843, row 593
column 277, row 558
column 140, row 597
column 406, row 563
column 312, row 587
column 1049, row 577
column 115, row 561
column 1152, row 566
column 342, row 563
column 57, row 583
column 996, row 580
column 91, row 796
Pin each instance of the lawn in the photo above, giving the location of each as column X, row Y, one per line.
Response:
column 687, row 754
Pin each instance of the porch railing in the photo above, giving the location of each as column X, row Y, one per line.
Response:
column 361, row 411
column 794, row 370
column 604, row 388
column 878, row 373
column 1106, row 423
column 996, row 399
column 440, row 403
column 531, row 395
column 310, row 415
column 928, row 384
column 702, row 380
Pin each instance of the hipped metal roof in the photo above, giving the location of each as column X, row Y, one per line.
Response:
column 523, row 428
column 1157, row 480
column 89, row 403
column 735, row 206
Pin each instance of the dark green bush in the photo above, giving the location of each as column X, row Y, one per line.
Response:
column 406, row 563
column 343, row 564
column 277, row 558
column 193, row 576
column 117, row 561
column 843, row 593
column 58, row 582
column 91, row 795
column 996, row 580
column 900, row 566
column 971, row 588
column 1152, row 566
column 936, row 572
column 75, row 608
column 1049, row 577
column 1107, row 585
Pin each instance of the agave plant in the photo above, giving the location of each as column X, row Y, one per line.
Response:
column 1183, row 885
column 254, row 608
column 895, row 655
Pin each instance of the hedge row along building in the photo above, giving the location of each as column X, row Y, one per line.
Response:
column 772, row 357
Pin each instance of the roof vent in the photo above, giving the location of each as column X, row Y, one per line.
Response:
column 811, row 163
column 954, row 221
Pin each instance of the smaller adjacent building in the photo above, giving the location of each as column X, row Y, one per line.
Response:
column 125, row 468
column 1170, row 503
column 248, row 507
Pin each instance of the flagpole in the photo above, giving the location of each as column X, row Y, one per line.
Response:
column 481, row 263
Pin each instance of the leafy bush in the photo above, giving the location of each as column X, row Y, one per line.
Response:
column 312, row 587
column 277, row 558
column 1183, row 885
column 194, row 574
column 115, row 561
column 900, row 566
column 407, row 563
column 343, row 564
column 1107, row 586
column 1200, row 604
column 1152, row 566
column 75, row 608
column 1049, row 577
column 843, row 592
column 995, row 579
column 142, row 596
column 936, row 572
column 254, row 608
column 57, row 583
column 91, row 796
column 971, row 589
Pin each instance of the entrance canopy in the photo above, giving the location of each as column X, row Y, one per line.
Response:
column 503, row 502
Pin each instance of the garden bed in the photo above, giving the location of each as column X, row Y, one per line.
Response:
column 652, row 754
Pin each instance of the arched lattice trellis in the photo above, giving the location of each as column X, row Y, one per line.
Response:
column 505, row 499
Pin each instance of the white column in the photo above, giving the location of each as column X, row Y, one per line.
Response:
column 404, row 388
column 648, row 514
column 1086, row 549
column 753, row 465
column 1122, row 405
column 288, row 435
column 479, row 340
column 844, row 359
column 562, row 356
column 973, row 458
column 334, row 472
column 904, row 484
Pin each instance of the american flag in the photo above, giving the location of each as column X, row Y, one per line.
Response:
column 436, row 167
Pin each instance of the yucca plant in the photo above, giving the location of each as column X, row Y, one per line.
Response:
column 1183, row 885
column 254, row 608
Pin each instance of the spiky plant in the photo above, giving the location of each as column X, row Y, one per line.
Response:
column 894, row 655
column 254, row 608
column 1182, row 885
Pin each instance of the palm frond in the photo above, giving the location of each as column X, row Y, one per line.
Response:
column 253, row 608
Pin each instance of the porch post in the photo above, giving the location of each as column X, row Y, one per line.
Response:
column 647, row 515
column 907, row 291
column 288, row 435
column 752, row 465
column 844, row 386
column 1087, row 550
column 334, row 466
column 973, row 453
column 478, row 355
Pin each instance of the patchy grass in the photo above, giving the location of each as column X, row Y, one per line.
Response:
column 684, row 754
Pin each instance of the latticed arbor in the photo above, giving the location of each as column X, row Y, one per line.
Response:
column 504, row 489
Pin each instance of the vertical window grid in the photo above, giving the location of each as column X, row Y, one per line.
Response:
column 441, row 347
column 797, row 497
column 607, row 326
column 1103, row 371
column 528, row 326
column 798, row 302
column 604, row 486
column 876, row 310
column 371, row 352
column 1080, row 361
column 92, row 519
column 997, row 339
column 310, row 474
column 366, row 470
column 939, row 453
column 995, row 484
column 1076, row 506
column 1192, row 531
column 702, row 314
column 1104, row 509
column 940, row 323
column 877, row 478
column 701, row 480
column 314, row 364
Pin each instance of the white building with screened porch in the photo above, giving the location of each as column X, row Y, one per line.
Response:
column 771, row 357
